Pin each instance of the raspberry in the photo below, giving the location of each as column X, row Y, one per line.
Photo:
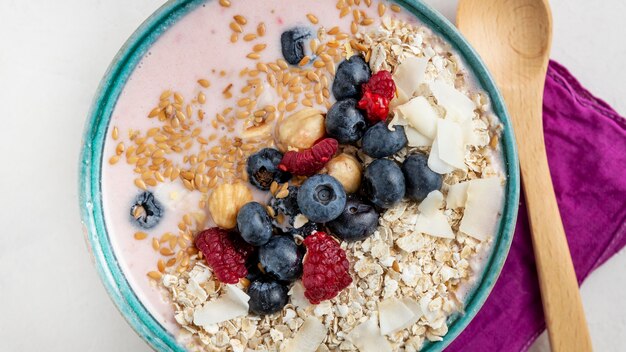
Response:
column 326, row 268
column 377, row 93
column 376, row 106
column 225, row 253
column 309, row 161
column 381, row 83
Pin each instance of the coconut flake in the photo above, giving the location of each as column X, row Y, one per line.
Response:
column 450, row 144
column 367, row 337
column 233, row 304
column 457, row 195
column 484, row 201
column 394, row 316
column 435, row 162
column 409, row 74
column 420, row 115
column 297, row 296
column 452, row 100
column 431, row 219
column 308, row 338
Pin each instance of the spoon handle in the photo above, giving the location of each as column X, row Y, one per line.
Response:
column 562, row 306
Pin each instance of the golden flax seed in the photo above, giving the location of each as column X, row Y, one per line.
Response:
column 139, row 183
column 367, row 21
column 234, row 37
column 291, row 106
column 344, row 11
column 253, row 56
column 381, row 9
column 305, row 60
column 333, row 30
column 225, row 3
column 235, row 27
column 140, row 235
column 259, row 47
column 249, row 37
column 240, row 19
column 353, row 27
column 161, row 265
column 155, row 275
column 204, row 83
column 312, row 18
column 395, row 8
column 155, row 244
column 260, row 29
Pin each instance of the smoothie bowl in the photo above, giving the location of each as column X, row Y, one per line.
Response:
column 301, row 175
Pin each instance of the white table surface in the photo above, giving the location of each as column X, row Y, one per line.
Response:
column 52, row 56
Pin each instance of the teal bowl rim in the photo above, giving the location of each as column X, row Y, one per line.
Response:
column 96, row 129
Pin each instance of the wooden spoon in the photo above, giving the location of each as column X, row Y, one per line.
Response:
column 514, row 37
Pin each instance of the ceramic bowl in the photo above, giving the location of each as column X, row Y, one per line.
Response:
column 92, row 156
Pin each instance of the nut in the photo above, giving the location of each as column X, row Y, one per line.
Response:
column 347, row 170
column 225, row 202
column 300, row 130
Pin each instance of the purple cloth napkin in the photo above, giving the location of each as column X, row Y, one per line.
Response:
column 586, row 145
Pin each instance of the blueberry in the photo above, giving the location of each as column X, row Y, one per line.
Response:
column 293, row 44
column 321, row 198
column 146, row 211
column 357, row 221
column 345, row 122
column 351, row 73
column 420, row 179
column 379, row 141
column 281, row 258
column 262, row 168
column 383, row 183
column 254, row 224
column 287, row 206
column 267, row 296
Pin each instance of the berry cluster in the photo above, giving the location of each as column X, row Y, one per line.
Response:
column 296, row 234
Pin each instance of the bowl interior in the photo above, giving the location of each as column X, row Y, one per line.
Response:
column 92, row 155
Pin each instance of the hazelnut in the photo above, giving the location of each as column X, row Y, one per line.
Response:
column 347, row 170
column 300, row 130
column 225, row 202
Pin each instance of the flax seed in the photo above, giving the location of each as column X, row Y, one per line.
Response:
column 204, row 83
column 234, row 37
column 155, row 244
column 235, row 27
column 259, row 47
column 161, row 265
column 312, row 18
column 140, row 235
column 240, row 19
column 344, row 11
column 249, row 37
column 367, row 21
column 225, row 3
column 260, row 29
column 155, row 275
column 381, row 9
column 395, row 8
column 291, row 106
column 305, row 60
column 353, row 27
column 253, row 56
